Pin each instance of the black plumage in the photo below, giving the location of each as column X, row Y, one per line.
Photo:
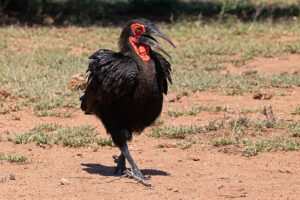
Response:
column 125, row 89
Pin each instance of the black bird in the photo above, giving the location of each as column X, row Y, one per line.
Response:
column 125, row 89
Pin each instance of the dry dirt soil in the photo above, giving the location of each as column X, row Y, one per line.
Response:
column 199, row 172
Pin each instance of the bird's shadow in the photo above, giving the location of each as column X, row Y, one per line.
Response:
column 109, row 171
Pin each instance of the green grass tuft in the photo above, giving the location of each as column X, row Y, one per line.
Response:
column 13, row 159
column 76, row 136
column 187, row 143
column 175, row 132
column 217, row 142
column 105, row 142
column 68, row 136
column 294, row 129
column 53, row 113
column 214, row 67
column 273, row 144
column 46, row 127
column 158, row 122
column 296, row 111
column 183, row 144
column 253, row 147
column 194, row 111
column 33, row 136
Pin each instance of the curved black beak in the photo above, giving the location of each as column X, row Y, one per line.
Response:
column 153, row 43
column 147, row 38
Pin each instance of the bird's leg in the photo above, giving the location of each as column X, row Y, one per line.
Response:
column 120, row 164
column 134, row 167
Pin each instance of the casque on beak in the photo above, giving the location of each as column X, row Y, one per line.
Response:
column 147, row 38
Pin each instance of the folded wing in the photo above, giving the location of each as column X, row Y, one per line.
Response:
column 112, row 75
column 163, row 69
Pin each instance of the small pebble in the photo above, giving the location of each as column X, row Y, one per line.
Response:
column 176, row 190
column 195, row 159
column 12, row 177
column 170, row 188
column 64, row 181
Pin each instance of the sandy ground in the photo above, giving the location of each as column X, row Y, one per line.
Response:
column 200, row 172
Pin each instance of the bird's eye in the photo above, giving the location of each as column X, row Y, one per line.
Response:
column 139, row 29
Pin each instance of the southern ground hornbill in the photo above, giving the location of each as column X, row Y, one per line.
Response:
column 125, row 89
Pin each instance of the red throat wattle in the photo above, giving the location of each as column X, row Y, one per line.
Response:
column 141, row 49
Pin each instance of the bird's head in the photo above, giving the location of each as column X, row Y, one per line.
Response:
column 139, row 33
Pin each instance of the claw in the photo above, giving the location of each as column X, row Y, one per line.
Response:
column 147, row 177
column 130, row 174
column 120, row 164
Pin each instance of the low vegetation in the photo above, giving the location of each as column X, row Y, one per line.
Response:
column 296, row 111
column 253, row 147
column 195, row 111
column 217, row 142
column 239, row 129
column 13, row 158
column 67, row 136
column 175, row 132
column 187, row 143
column 294, row 129
column 270, row 144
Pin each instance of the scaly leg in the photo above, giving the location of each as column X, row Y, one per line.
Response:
column 134, row 167
column 120, row 164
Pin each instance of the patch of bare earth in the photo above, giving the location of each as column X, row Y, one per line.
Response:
column 276, row 65
column 200, row 172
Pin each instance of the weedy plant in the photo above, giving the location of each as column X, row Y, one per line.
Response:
column 13, row 159
column 272, row 144
column 32, row 136
column 175, row 132
column 217, row 142
column 53, row 113
column 253, row 147
column 296, row 111
column 68, row 136
column 187, row 143
column 294, row 129
column 194, row 111
column 158, row 122
column 76, row 136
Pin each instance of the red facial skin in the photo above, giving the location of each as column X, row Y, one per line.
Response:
column 141, row 49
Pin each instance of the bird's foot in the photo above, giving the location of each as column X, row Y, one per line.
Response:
column 138, row 177
column 129, row 174
column 139, row 174
column 120, row 164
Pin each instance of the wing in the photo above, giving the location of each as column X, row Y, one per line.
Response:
column 163, row 69
column 112, row 75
